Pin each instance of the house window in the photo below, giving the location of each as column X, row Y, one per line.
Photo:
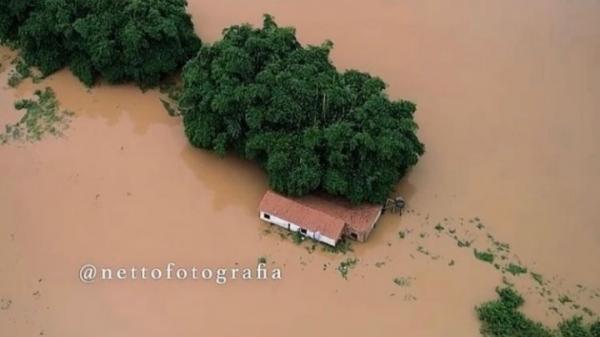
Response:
column 267, row 216
column 303, row 231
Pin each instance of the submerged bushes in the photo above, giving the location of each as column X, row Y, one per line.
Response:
column 260, row 93
column 501, row 318
column 120, row 41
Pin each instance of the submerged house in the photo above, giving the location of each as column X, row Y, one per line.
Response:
column 324, row 219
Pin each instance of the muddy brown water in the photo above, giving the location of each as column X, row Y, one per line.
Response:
column 508, row 107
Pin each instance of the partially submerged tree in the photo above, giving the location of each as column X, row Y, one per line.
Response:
column 12, row 15
column 260, row 93
column 120, row 41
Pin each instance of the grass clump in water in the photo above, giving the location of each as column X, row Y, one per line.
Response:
column 537, row 278
column 42, row 116
column 21, row 72
column 403, row 281
column 515, row 269
column 346, row 266
column 484, row 256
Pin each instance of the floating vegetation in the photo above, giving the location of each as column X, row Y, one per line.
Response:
column 423, row 251
column 500, row 246
column 564, row 299
column 588, row 311
column 463, row 244
column 516, row 269
column 538, row 278
column 484, row 256
column 20, row 72
column 346, row 266
column 403, row 281
column 5, row 303
column 379, row 264
column 501, row 318
column 409, row 298
column 42, row 116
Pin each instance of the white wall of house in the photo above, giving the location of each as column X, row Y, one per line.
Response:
column 295, row 228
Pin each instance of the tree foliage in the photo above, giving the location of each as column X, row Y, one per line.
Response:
column 260, row 93
column 12, row 15
column 120, row 41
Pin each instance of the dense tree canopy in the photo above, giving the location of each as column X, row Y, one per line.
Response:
column 12, row 14
column 260, row 93
column 120, row 41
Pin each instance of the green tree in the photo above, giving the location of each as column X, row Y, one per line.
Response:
column 119, row 41
column 260, row 93
column 12, row 15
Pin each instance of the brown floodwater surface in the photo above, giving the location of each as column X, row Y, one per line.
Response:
column 507, row 95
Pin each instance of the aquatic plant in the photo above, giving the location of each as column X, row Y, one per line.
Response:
column 260, row 93
column 42, row 116
column 516, row 269
column 346, row 266
column 484, row 256
column 403, row 281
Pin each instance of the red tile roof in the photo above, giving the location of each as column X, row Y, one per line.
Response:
column 325, row 215
column 301, row 215
column 359, row 218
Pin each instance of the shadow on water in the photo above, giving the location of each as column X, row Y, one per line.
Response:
column 234, row 182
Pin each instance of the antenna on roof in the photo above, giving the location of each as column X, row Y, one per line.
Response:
column 395, row 205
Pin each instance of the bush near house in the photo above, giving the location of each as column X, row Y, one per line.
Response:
column 120, row 41
column 260, row 93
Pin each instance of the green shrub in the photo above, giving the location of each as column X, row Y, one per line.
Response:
column 260, row 93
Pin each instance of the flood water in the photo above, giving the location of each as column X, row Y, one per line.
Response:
column 507, row 95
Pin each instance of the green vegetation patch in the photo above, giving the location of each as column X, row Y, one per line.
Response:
column 537, row 278
column 501, row 318
column 346, row 266
column 516, row 269
column 42, row 116
column 20, row 72
column 484, row 256
column 403, row 281
column 119, row 41
column 260, row 94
